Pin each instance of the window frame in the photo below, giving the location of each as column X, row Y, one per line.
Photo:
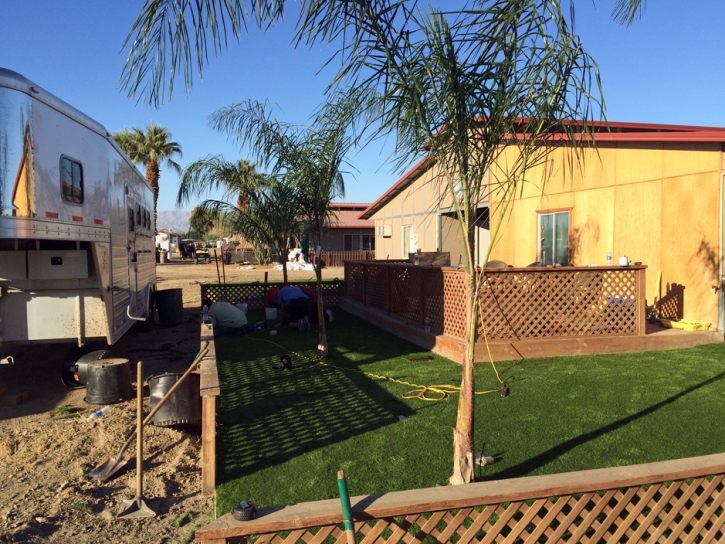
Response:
column 539, row 215
column 82, row 181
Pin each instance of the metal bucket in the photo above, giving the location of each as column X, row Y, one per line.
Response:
column 109, row 381
column 170, row 304
column 183, row 407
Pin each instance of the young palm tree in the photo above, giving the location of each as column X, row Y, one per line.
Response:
column 236, row 180
column 311, row 159
column 271, row 215
column 150, row 148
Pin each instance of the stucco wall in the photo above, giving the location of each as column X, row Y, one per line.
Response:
column 656, row 203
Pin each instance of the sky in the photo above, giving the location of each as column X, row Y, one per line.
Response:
column 666, row 68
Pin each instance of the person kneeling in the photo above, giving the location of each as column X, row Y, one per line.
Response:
column 228, row 320
column 295, row 309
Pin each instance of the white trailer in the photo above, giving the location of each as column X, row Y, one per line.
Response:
column 77, row 257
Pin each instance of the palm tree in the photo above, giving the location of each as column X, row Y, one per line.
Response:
column 235, row 179
column 271, row 215
column 150, row 148
column 310, row 159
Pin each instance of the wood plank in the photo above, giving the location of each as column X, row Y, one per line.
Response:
column 209, row 378
column 14, row 398
column 208, row 446
column 314, row 514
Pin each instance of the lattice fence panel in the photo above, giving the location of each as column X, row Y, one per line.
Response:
column 405, row 293
column 682, row 511
column 537, row 304
column 255, row 294
column 376, row 286
column 434, row 303
column 454, row 307
column 354, row 281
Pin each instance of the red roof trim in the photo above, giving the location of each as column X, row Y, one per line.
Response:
column 398, row 186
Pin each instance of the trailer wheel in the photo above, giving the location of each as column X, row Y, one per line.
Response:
column 148, row 325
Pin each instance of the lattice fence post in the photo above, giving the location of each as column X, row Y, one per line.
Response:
column 641, row 298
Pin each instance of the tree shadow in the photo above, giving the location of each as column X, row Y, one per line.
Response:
column 527, row 467
column 269, row 417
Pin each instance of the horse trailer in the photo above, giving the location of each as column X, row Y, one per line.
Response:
column 77, row 255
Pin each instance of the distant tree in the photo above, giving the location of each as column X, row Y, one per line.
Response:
column 150, row 148
column 201, row 220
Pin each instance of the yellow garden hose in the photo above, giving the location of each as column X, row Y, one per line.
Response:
column 420, row 392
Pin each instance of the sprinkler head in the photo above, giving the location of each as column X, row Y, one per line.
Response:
column 504, row 390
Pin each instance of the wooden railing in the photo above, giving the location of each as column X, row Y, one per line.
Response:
column 337, row 258
column 209, row 390
column 516, row 303
column 670, row 501
column 255, row 294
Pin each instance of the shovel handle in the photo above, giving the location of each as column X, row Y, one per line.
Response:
column 199, row 357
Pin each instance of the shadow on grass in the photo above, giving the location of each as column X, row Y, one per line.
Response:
column 269, row 417
column 530, row 465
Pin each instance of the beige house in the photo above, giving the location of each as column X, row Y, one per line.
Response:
column 652, row 193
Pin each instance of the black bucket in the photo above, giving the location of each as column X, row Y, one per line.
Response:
column 74, row 371
column 109, row 381
column 170, row 304
column 183, row 407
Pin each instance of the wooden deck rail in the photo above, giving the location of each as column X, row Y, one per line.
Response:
column 516, row 303
column 337, row 258
column 209, row 388
column 255, row 294
column 670, row 501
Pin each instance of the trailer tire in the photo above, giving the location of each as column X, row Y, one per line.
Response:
column 148, row 325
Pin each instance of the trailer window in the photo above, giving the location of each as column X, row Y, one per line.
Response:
column 71, row 181
column 131, row 225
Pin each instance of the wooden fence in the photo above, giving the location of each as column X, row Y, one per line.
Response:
column 672, row 501
column 255, row 294
column 337, row 258
column 516, row 303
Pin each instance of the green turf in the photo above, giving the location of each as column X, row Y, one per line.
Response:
column 283, row 436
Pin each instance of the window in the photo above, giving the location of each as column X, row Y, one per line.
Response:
column 368, row 242
column 131, row 224
column 352, row 242
column 71, row 181
column 554, row 238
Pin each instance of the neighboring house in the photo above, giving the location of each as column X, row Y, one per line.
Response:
column 347, row 232
column 651, row 192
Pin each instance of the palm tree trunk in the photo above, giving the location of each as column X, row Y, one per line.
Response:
column 152, row 176
column 322, row 347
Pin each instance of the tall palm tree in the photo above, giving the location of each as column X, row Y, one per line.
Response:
column 150, row 148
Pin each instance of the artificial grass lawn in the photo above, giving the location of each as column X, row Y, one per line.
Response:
column 284, row 435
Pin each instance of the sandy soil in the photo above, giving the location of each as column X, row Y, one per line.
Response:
column 44, row 496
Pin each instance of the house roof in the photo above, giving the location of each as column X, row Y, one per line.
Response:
column 614, row 131
column 347, row 217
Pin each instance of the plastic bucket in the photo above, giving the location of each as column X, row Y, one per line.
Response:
column 271, row 313
column 183, row 407
column 109, row 381
column 170, row 304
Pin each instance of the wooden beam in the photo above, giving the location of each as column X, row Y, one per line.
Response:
column 208, row 446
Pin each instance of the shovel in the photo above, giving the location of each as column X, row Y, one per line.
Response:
column 137, row 507
column 103, row 472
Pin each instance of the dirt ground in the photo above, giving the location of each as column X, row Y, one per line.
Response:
column 44, row 496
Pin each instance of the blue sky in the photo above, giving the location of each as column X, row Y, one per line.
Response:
column 667, row 68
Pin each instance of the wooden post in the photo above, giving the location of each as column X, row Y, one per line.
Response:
column 641, row 301
column 208, row 446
